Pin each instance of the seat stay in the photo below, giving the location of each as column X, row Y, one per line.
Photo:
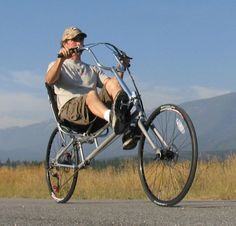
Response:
column 63, row 149
column 85, row 160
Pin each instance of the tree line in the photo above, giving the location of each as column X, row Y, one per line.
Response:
column 95, row 164
column 12, row 163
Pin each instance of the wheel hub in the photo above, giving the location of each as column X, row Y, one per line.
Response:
column 169, row 154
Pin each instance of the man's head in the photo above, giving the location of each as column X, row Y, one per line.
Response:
column 72, row 32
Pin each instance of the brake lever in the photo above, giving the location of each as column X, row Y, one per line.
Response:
column 123, row 55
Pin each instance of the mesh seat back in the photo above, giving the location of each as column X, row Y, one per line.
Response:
column 53, row 101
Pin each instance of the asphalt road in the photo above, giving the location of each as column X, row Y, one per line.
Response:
column 126, row 213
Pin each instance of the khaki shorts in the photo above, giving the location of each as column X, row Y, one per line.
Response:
column 77, row 112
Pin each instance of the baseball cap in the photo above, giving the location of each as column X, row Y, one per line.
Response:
column 72, row 32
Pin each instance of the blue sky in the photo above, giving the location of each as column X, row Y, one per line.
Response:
column 182, row 50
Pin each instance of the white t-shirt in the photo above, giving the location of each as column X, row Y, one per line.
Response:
column 76, row 79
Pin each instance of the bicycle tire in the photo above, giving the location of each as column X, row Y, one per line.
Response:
column 61, row 181
column 167, row 179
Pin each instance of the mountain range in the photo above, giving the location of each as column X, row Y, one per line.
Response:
column 214, row 120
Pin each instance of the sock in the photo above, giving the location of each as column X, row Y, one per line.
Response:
column 107, row 115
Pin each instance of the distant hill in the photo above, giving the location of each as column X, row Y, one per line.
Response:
column 25, row 143
column 30, row 143
column 214, row 120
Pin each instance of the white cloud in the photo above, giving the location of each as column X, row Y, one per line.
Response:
column 21, row 102
column 207, row 92
column 23, row 99
column 8, row 121
column 26, row 78
column 22, row 109
column 21, row 81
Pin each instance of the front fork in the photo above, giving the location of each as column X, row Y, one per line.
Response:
column 141, row 125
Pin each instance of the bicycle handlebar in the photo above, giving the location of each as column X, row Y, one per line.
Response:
column 119, row 53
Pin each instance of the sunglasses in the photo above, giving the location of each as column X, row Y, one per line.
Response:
column 78, row 39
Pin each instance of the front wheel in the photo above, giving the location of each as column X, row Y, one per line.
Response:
column 61, row 178
column 167, row 172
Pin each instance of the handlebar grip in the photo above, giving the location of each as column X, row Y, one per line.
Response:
column 60, row 55
column 72, row 50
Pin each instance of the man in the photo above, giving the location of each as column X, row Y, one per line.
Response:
column 75, row 84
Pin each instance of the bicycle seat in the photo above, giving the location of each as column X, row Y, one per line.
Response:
column 91, row 128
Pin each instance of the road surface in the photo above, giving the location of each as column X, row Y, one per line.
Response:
column 109, row 212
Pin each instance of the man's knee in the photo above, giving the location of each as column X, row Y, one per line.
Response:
column 112, row 84
column 91, row 96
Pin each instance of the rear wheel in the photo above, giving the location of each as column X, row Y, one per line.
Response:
column 166, row 179
column 61, row 178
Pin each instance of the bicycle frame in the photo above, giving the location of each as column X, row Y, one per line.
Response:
column 138, row 116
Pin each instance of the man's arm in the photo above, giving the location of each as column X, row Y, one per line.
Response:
column 54, row 72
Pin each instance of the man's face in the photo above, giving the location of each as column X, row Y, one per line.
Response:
column 77, row 41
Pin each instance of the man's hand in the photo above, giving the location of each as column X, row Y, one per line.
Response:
column 125, row 60
column 65, row 53
column 125, row 63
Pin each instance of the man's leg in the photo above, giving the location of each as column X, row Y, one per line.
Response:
column 95, row 105
column 119, row 109
column 113, row 87
column 130, row 137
